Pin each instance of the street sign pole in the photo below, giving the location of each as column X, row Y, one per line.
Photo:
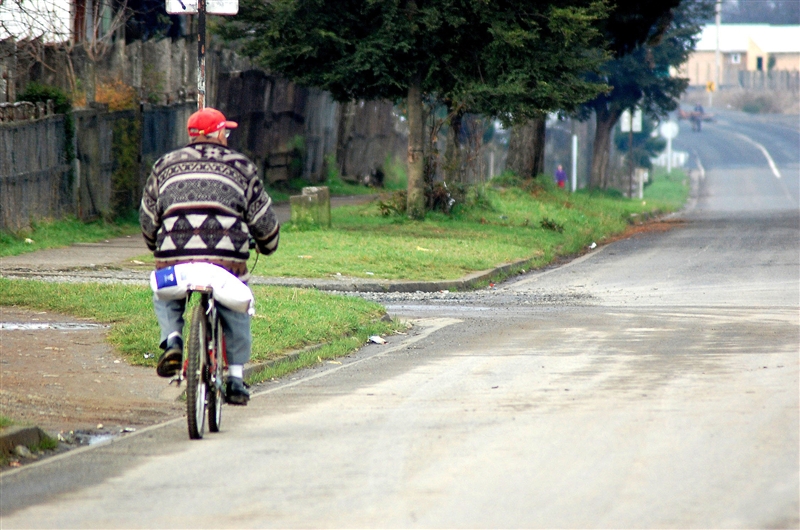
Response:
column 669, row 130
column 200, row 8
column 201, row 54
column 574, row 162
column 630, row 158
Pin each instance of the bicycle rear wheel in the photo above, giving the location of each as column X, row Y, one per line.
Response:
column 215, row 380
column 195, row 380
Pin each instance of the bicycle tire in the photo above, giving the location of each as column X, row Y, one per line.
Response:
column 195, row 380
column 215, row 382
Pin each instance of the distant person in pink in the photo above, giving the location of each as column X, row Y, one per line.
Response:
column 561, row 176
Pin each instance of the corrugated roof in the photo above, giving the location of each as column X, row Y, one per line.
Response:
column 734, row 38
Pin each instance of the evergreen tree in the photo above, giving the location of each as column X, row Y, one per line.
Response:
column 533, row 60
column 647, row 39
column 507, row 59
column 361, row 49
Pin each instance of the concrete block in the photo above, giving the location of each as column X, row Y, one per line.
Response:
column 10, row 437
column 313, row 207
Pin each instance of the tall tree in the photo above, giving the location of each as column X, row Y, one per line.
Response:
column 361, row 49
column 533, row 60
column 647, row 39
column 510, row 59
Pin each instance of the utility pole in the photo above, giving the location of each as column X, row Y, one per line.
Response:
column 574, row 161
column 201, row 54
column 200, row 8
column 717, row 65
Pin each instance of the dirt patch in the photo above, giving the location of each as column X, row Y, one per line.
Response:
column 658, row 225
column 70, row 379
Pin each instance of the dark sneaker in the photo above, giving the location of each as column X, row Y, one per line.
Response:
column 169, row 364
column 236, row 392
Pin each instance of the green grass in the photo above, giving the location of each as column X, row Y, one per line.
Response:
column 493, row 225
column 287, row 319
column 669, row 188
column 496, row 225
column 54, row 234
column 5, row 421
column 47, row 443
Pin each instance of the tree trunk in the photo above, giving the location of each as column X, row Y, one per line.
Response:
column 526, row 148
column 344, row 136
column 520, row 150
column 415, row 205
column 90, row 81
column 539, row 126
column 601, row 151
column 453, row 161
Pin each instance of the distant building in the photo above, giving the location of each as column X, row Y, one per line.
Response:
column 743, row 47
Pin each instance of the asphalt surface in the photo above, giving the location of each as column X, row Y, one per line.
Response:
column 651, row 384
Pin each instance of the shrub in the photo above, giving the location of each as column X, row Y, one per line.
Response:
column 117, row 95
column 40, row 93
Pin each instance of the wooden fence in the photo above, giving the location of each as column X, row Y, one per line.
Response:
column 35, row 178
column 288, row 131
column 779, row 80
column 113, row 153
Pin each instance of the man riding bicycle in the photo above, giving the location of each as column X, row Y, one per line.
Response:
column 203, row 203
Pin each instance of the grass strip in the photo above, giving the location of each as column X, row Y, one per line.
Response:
column 63, row 233
column 492, row 225
column 287, row 319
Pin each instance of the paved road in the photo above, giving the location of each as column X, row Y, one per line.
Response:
column 651, row 384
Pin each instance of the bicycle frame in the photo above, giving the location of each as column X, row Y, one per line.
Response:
column 210, row 305
column 205, row 362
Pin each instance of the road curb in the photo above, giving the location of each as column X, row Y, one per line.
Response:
column 348, row 284
column 344, row 283
column 11, row 437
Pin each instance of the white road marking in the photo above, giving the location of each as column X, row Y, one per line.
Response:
column 763, row 149
column 700, row 166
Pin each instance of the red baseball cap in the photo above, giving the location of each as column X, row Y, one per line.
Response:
column 206, row 121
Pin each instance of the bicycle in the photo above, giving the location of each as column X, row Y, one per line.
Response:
column 204, row 365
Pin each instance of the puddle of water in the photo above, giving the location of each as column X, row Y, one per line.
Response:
column 38, row 326
column 97, row 438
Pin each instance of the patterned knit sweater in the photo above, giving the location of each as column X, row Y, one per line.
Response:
column 202, row 203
